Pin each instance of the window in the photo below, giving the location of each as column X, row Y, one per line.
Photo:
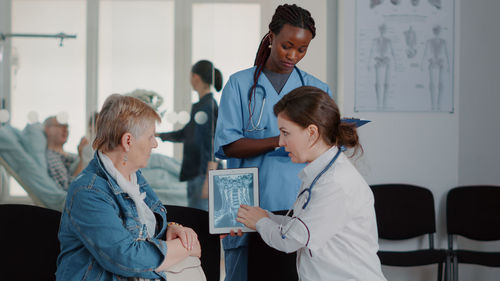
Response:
column 136, row 51
column 228, row 34
column 142, row 44
column 47, row 79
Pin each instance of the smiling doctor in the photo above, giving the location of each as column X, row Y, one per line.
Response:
column 333, row 228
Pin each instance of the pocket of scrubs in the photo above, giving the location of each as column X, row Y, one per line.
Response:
column 189, row 269
column 257, row 134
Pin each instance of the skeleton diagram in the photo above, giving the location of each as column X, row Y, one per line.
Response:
column 437, row 53
column 374, row 3
column 233, row 190
column 436, row 3
column 411, row 42
column 380, row 51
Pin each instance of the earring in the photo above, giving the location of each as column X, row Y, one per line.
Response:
column 270, row 46
column 125, row 159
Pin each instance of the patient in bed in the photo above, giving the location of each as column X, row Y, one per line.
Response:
column 25, row 153
column 62, row 166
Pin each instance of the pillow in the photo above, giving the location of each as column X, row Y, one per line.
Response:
column 33, row 177
column 34, row 143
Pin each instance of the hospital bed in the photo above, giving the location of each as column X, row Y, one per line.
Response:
column 22, row 154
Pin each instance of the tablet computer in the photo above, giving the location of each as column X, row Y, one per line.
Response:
column 228, row 189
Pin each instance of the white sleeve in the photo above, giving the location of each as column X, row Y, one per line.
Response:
column 278, row 218
column 269, row 230
column 326, row 215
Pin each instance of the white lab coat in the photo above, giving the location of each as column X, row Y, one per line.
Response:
column 335, row 236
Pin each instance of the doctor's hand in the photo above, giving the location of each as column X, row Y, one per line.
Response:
column 249, row 216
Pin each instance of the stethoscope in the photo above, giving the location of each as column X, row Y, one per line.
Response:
column 307, row 192
column 255, row 127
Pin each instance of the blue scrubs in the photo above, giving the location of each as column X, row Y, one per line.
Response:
column 278, row 180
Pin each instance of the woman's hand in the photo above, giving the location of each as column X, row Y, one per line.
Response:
column 187, row 235
column 249, row 216
column 196, row 251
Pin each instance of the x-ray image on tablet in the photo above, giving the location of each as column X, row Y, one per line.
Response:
column 227, row 190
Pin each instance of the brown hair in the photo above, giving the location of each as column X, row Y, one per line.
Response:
column 119, row 115
column 309, row 105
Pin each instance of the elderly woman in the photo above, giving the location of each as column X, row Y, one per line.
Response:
column 113, row 225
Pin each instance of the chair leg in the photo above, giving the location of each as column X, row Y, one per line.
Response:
column 440, row 271
column 447, row 268
column 455, row 268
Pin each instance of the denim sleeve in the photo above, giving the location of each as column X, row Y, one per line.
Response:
column 96, row 220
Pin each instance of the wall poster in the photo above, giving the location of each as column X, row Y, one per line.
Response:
column 404, row 55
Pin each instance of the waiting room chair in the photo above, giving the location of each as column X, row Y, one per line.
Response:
column 403, row 212
column 474, row 213
column 210, row 243
column 266, row 263
column 29, row 242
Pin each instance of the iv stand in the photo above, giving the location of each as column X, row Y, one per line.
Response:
column 4, row 36
column 60, row 35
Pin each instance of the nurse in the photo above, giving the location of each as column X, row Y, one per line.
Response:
column 247, row 134
column 198, row 135
column 333, row 228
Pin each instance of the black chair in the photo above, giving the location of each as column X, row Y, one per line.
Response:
column 29, row 242
column 210, row 243
column 474, row 213
column 266, row 263
column 406, row 211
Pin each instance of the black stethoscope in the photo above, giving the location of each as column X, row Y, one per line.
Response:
column 307, row 191
column 255, row 127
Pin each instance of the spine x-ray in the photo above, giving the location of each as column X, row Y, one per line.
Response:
column 229, row 189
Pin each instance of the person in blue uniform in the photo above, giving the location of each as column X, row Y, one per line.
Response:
column 198, row 134
column 247, row 134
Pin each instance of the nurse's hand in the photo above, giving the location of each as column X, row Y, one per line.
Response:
column 232, row 233
column 249, row 215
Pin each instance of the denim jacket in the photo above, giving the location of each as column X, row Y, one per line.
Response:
column 100, row 234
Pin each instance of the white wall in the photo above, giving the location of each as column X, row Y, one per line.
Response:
column 435, row 150
column 480, row 99
column 479, row 133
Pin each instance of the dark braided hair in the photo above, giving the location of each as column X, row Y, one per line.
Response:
column 284, row 14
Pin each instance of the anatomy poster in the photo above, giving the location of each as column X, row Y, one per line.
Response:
column 404, row 55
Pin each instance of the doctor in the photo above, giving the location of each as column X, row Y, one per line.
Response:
column 333, row 228
column 247, row 133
